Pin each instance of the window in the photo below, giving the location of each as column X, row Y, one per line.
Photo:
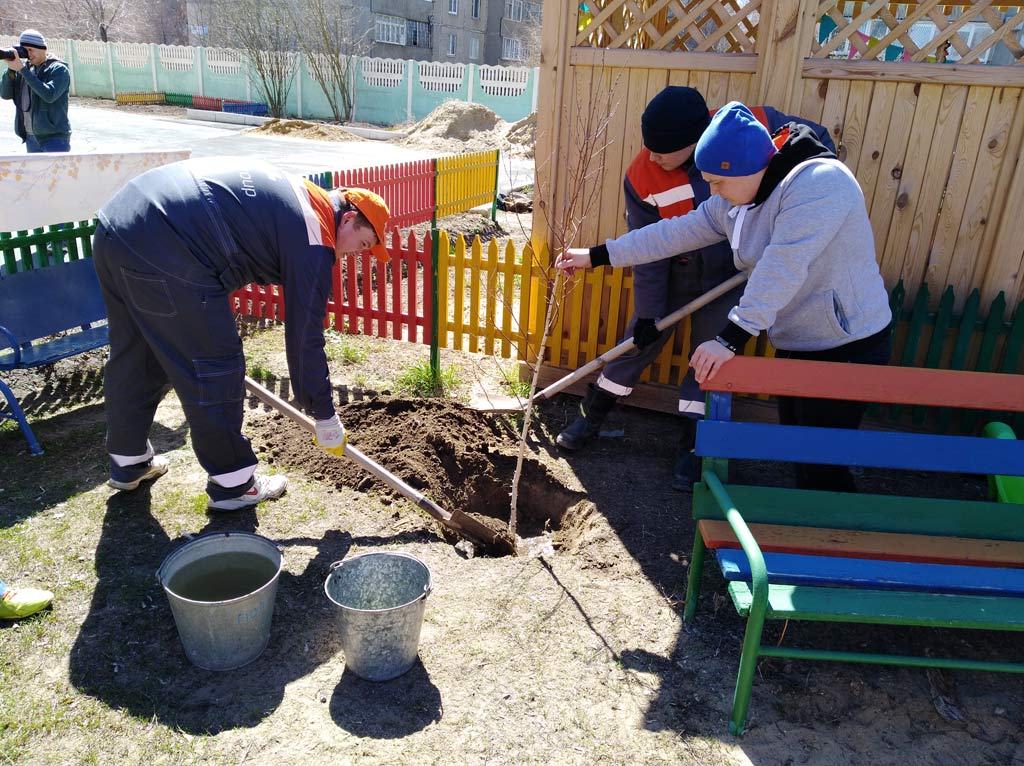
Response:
column 476, row 9
column 452, row 44
column 511, row 49
column 533, row 11
column 474, row 48
column 453, row 6
column 389, row 29
column 417, row 33
column 514, row 10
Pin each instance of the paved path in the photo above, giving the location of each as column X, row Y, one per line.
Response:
column 108, row 130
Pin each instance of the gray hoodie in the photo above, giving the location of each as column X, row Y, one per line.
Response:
column 808, row 247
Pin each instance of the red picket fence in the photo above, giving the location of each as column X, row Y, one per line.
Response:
column 408, row 189
column 377, row 296
column 389, row 300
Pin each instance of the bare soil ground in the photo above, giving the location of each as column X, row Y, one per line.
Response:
column 575, row 657
column 578, row 656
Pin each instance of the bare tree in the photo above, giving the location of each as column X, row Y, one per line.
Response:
column 264, row 31
column 326, row 38
column 581, row 192
column 99, row 15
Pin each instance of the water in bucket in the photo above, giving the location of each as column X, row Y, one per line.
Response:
column 382, row 597
column 221, row 588
column 222, row 576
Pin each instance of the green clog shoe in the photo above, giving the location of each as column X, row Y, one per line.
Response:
column 22, row 602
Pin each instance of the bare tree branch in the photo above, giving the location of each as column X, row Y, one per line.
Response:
column 263, row 30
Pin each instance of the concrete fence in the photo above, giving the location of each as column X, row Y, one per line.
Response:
column 385, row 91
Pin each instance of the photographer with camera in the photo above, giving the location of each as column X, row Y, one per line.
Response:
column 38, row 84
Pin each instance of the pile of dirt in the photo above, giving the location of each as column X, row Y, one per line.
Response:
column 458, row 457
column 469, row 225
column 316, row 131
column 458, row 127
column 521, row 137
column 457, row 120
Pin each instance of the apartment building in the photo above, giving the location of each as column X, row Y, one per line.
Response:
column 505, row 32
column 460, row 31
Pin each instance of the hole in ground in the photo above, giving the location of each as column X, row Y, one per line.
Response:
column 459, row 458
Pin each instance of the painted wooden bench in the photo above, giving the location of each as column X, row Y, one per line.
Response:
column 47, row 314
column 791, row 554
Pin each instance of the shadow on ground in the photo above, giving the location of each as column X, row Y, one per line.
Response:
column 128, row 655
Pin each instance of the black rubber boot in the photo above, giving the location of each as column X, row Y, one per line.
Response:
column 687, row 468
column 593, row 410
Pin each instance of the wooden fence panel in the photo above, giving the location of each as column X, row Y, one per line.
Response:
column 936, row 148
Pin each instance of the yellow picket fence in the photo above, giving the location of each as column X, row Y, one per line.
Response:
column 465, row 181
column 484, row 297
column 491, row 299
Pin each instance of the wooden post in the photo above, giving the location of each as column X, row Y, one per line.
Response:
column 783, row 41
column 557, row 37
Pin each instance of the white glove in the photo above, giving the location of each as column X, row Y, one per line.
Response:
column 330, row 435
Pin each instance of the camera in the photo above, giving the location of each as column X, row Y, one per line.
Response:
column 9, row 54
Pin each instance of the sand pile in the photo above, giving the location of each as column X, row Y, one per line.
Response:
column 316, row 131
column 522, row 136
column 456, row 127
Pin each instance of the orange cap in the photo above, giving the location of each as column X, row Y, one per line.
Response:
column 375, row 210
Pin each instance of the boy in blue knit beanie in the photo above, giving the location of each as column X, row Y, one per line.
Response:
column 797, row 224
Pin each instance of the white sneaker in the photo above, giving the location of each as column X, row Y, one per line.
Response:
column 130, row 477
column 264, row 488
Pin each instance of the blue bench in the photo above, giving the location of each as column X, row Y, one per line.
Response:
column 62, row 300
column 792, row 554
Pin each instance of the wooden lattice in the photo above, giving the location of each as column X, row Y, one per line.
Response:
column 722, row 26
column 926, row 31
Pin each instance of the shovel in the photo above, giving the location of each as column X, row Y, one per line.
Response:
column 513, row 404
column 461, row 523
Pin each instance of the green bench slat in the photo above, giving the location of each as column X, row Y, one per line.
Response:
column 794, row 602
column 864, row 512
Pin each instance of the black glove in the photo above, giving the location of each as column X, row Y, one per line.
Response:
column 645, row 333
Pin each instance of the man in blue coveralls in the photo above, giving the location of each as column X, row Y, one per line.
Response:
column 663, row 182
column 169, row 250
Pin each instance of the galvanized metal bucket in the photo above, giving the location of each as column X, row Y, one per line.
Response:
column 382, row 596
column 223, row 634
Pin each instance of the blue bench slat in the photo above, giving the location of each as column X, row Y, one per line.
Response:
column 57, row 348
column 63, row 296
column 878, row 449
column 797, row 569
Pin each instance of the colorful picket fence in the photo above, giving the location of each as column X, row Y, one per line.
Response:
column 466, row 181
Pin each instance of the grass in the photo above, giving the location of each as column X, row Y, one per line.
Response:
column 341, row 348
column 516, row 387
column 419, row 380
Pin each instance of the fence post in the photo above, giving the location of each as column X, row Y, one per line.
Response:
column 497, row 170
column 408, row 95
column 298, row 85
column 350, row 73
column 152, row 65
column 72, row 53
column 783, row 40
column 471, row 71
column 435, row 348
column 200, row 54
column 110, row 69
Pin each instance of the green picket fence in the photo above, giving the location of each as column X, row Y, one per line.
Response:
column 972, row 340
column 26, row 250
